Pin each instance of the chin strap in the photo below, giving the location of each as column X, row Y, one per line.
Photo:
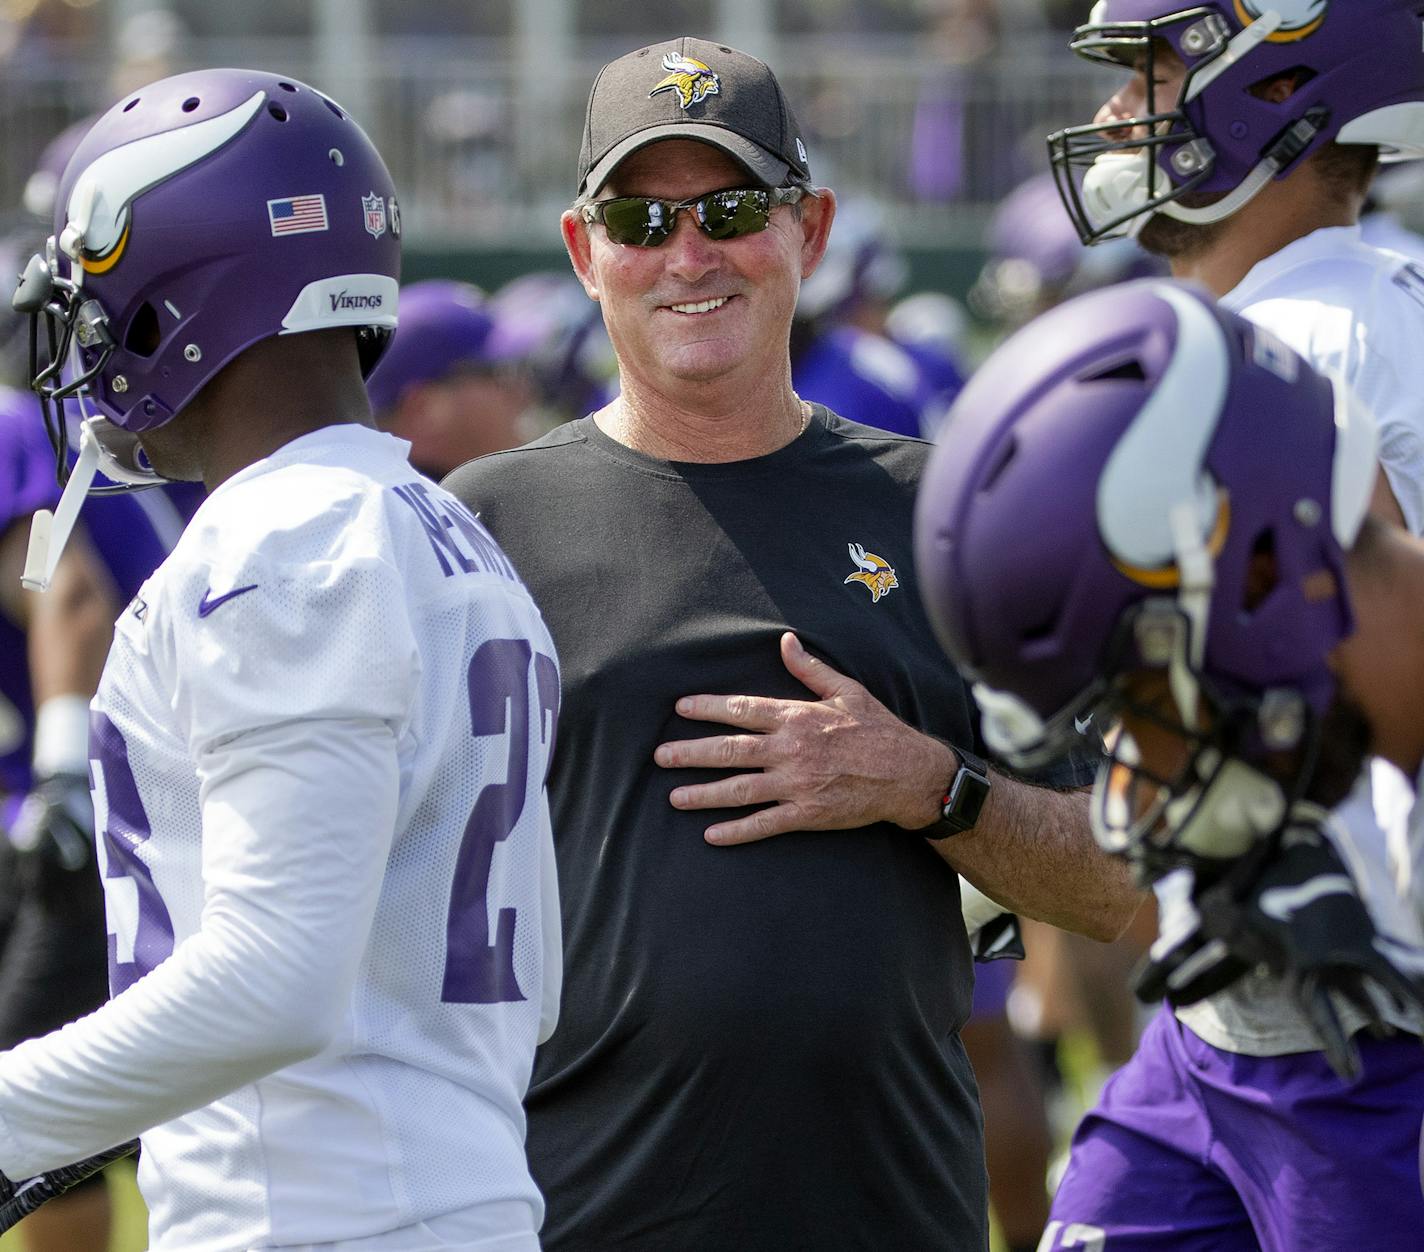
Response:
column 50, row 531
column 103, row 448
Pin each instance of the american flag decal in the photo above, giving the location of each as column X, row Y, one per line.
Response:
column 298, row 215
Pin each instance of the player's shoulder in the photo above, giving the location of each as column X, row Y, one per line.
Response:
column 1336, row 268
column 322, row 499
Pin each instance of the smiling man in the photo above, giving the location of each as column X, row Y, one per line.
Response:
column 759, row 1046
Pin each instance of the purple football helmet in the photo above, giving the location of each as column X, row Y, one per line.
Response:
column 1359, row 66
column 199, row 215
column 1093, row 511
column 445, row 326
column 547, row 324
column 1036, row 258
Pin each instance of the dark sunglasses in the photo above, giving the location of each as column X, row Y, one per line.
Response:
column 646, row 222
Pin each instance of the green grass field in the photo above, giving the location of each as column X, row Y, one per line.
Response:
column 130, row 1218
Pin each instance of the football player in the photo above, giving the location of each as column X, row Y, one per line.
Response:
column 1241, row 148
column 52, row 648
column 319, row 743
column 1179, row 490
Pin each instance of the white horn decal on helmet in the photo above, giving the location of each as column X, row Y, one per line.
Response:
column 98, row 210
column 1158, row 462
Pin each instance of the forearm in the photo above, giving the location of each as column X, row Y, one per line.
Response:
column 1033, row 851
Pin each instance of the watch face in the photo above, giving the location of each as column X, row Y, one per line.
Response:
column 966, row 798
column 969, row 797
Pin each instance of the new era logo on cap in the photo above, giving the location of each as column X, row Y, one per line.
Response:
column 297, row 215
column 691, row 89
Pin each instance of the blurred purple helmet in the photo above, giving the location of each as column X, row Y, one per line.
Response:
column 199, row 215
column 1110, row 474
column 1036, row 258
column 1033, row 252
column 445, row 326
column 547, row 324
column 1359, row 66
column 860, row 263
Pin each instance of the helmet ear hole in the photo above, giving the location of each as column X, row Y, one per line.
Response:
column 144, row 334
column 1262, row 574
column 1129, row 371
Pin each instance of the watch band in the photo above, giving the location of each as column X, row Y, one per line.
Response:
column 962, row 803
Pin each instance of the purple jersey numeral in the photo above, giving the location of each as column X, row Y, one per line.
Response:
column 125, row 828
column 476, row 970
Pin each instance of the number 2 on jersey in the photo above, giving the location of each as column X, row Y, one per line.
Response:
column 478, row 970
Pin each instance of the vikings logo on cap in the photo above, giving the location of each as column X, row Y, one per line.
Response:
column 692, row 80
column 1299, row 18
column 875, row 572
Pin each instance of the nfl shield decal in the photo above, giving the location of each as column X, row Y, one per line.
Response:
column 374, row 207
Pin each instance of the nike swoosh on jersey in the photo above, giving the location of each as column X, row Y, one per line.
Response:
column 206, row 605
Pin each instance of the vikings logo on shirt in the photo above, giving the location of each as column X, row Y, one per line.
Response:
column 1299, row 18
column 692, row 80
column 875, row 572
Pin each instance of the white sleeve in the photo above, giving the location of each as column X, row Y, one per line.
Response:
column 298, row 821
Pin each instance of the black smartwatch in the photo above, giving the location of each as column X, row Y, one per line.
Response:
column 963, row 802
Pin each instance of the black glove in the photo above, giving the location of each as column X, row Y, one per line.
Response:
column 1293, row 907
column 53, row 833
column 1000, row 939
column 19, row 1201
column 1184, row 965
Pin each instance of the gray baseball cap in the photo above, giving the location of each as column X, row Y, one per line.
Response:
column 691, row 89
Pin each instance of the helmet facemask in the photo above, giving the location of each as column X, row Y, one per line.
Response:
column 1194, row 772
column 1114, row 176
column 58, row 369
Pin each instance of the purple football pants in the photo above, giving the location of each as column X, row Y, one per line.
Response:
column 1198, row 1150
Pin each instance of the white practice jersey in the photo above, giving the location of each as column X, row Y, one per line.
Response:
column 318, row 753
column 1356, row 313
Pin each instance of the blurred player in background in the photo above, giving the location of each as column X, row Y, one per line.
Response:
column 54, row 968
column 319, row 742
column 1241, row 148
column 1037, row 261
column 552, row 332
column 841, row 355
column 449, row 384
column 1178, row 488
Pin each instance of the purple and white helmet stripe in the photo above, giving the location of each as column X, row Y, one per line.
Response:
column 1137, row 444
column 1096, row 507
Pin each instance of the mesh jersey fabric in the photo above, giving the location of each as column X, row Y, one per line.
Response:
column 325, row 605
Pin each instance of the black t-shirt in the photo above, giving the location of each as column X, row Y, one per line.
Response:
column 758, row 1046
